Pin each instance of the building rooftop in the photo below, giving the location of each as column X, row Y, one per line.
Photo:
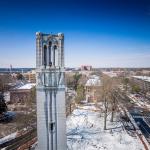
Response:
column 145, row 78
column 93, row 81
column 110, row 73
column 27, row 86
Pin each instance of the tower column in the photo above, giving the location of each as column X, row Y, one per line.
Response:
column 51, row 115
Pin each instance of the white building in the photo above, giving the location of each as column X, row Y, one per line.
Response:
column 92, row 88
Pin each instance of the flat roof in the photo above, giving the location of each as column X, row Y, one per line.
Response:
column 145, row 78
column 27, row 86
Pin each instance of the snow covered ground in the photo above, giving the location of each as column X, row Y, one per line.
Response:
column 8, row 138
column 85, row 132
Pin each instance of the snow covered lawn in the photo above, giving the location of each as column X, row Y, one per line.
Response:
column 85, row 132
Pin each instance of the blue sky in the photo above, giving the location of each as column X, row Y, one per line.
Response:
column 101, row 33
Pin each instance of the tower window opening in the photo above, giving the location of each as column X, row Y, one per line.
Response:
column 45, row 53
column 50, row 45
column 52, row 124
column 55, row 47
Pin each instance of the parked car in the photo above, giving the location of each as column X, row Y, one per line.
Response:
column 7, row 117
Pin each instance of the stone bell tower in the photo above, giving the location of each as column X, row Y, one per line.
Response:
column 51, row 117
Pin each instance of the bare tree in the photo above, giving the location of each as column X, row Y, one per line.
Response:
column 4, row 80
column 105, row 96
column 108, row 94
column 126, row 83
column 113, row 104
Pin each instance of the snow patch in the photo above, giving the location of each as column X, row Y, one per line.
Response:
column 85, row 132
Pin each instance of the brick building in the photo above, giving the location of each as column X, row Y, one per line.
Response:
column 21, row 94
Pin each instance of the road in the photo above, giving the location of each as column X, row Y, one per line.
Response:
column 19, row 141
column 139, row 114
column 145, row 129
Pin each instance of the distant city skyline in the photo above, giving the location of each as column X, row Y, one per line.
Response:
column 101, row 33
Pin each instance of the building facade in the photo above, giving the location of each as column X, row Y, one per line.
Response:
column 92, row 89
column 51, row 117
column 21, row 94
column 143, row 82
column 30, row 76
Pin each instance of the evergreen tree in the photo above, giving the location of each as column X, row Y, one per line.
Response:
column 3, row 106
